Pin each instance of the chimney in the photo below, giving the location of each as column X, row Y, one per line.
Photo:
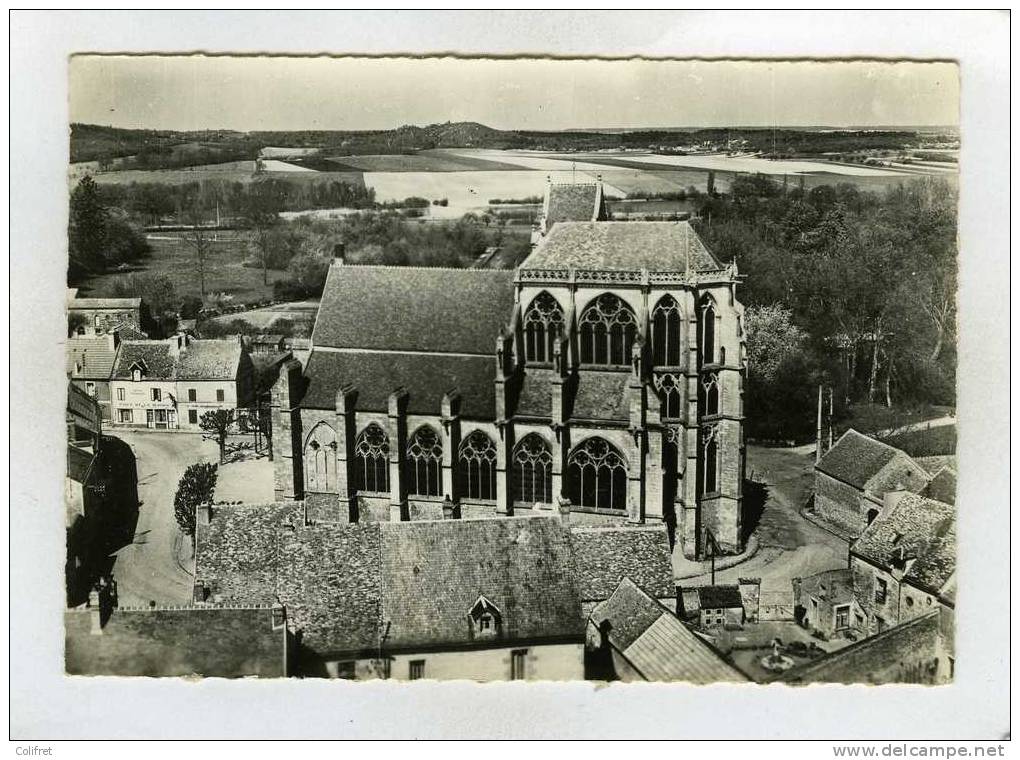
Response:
column 563, row 506
column 95, row 614
column 203, row 514
column 339, row 253
column 450, row 510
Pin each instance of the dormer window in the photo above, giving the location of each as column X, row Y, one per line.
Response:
column 485, row 619
column 136, row 374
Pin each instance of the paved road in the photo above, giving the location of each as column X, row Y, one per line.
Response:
column 148, row 569
column 789, row 545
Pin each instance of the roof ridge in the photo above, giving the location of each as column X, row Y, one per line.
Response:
column 182, row 607
column 423, row 268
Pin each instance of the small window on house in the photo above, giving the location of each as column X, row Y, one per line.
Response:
column 518, row 664
column 345, row 670
column 125, row 415
column 157, row 394
column 485, row 622
column 842, row 617
column 416, row 670
column 910, row 601
column 881, row 590
column 193, row 416
column 90, row 388
column 120, row 394
column 192, row 394
column 136, row 374
column 219, row 394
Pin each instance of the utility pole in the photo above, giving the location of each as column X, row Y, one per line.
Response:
column 830, row 416
column 818, row 429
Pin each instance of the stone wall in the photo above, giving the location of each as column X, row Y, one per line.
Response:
column 841, row 505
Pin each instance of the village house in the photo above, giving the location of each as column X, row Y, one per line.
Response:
column 719, row 606
column 632, row 637
column 169, row 384
column 904, row 564
column 607, row 370
column 90, row 362
column 484, row 599
column 83, row 485
column 853, row 476
column 97, row 316
column 825, row 603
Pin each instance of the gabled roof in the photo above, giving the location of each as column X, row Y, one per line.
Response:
column 128, row 331
column 942, row 487
column 433, row 573
column 209, row 360
column 573, row 203
column 856, row 458
column 414, row 309
column 655, row 643
column 655, row 246
column 426, row 379
column 222, row 642
column 605, row 556
column 914, row 528
column 154, row 354
column 91, row 358
column 719, row 597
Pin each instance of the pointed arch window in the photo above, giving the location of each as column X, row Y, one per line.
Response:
column 542, row 323
column 424, row 462
column 706, row 330
column 371, row 460
column 532, row 470
column 708, row 467
column 477, row 467
column 607, row 331
column 666, row 330
column 320, row 460
column 597, row 475
column 708, row 394
column 671, row 390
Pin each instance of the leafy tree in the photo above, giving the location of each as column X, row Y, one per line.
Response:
column 86, row 230
column 262, row 205
column 196, row 486
column 75, row 322
column 198, row 238
column 218, row 424
column 158, row 294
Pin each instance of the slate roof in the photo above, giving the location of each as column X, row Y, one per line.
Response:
column 605, row 556
column 656, row 643
column 209, row 360
column 414, row 309
column 159, row 362
column 572, row 203
column 433, row 572
column 341, row 585
column 600, row 395
column 854, row 664
column 94, row 356
column 207, row 641
column 920, row 528
column 719, row 597
column 128, row 331
column 942, row 487
column 655, row 246
column 534, row 397
column 426, row 379
column 856, row 458
column 103, row 303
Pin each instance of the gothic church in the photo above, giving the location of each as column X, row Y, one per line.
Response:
column 604, row 375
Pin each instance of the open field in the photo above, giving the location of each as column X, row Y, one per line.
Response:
column 301, row 313
column 426, row 161
column 224, row 272
column 274, row 165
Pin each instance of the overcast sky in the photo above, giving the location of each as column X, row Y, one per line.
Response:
column 201, row 92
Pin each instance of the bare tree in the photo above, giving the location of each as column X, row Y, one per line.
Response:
column 197, row 238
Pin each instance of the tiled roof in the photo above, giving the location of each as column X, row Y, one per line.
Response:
column 91, row 358
column 862, row 661
column 719, row 597
column 209, row 360
column 600, row 395
column 942, row 487
column 655, row 246
column 155, row 354
column 414, row 309
column 918, row 528
column 656, row 643
column 605, row 556
column 207, row 641
column 572, row 203
column 856, row 458
column 104, row 303
column 434, row 572
column 426, row 378
column 127, row 331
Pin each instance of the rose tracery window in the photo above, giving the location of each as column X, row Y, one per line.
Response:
column 371, row 460
column 666, row 324
column 532, row 470
column 607, row 331
column 597, row 475
column 424, row 462
column 542, row 323
column 477, row 466
column 671, row 391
